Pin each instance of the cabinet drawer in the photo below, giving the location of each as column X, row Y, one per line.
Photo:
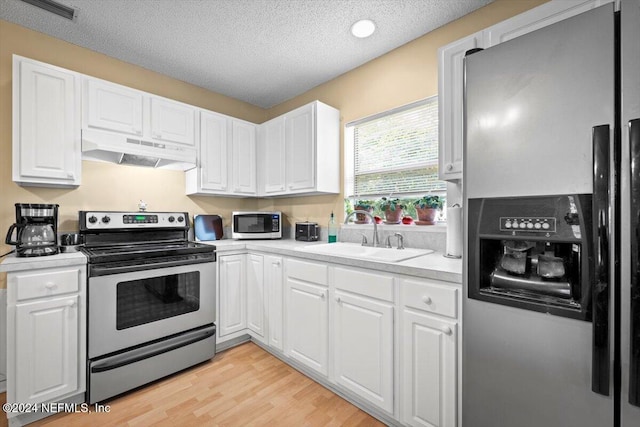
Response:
column 44, row 283
column 307, row 271
column 364, row 283
column 430, row 296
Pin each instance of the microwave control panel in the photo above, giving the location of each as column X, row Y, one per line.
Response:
column 540, row 224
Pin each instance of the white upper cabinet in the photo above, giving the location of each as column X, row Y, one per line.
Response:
column 243, row 159
column 451, row 72
column 300, row 152
column 213, row 152
column 450, row 104
column 227, row 159
column 271, row 149
column 172, row 121
column 112, row 107
column 46, row 125
column 109, row 107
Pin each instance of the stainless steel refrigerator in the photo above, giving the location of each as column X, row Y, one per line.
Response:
column 551, row 307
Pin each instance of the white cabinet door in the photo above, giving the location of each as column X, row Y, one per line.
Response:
column 274, row 282
column 428, row 384
column 300, row 146
column 112, row 107
column 363, row 353
column 271, row 146
column 172, row 121
column 256, row 298
column 213, row 151
column 47, row 349
column 307, row 319
column 243, row 160
column 46, row 124
column 232, row 310
column 450, row 105
column 539, row 17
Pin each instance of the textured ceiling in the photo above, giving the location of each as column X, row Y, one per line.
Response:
column 259, row 51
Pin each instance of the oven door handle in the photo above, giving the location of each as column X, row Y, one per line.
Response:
column 96, row 270
column 132, row 356
column 600, row 371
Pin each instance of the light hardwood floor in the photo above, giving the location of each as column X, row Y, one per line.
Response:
column 242, row 386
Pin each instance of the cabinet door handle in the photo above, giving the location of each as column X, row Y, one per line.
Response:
column 277, row 263
column 446, row 330
column 71, row 175
column 338, row 300
column 322, row 295
column 427, row 300
column 50, row 285
column 449, row 167
column 71, row 303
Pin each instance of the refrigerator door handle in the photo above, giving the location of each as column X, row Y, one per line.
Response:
column 634, row 356
column 600, row 371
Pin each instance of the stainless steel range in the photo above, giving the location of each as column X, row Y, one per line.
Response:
column 151, row 296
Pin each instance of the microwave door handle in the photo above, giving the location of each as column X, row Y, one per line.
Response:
column 600, row 375
column 634, row 316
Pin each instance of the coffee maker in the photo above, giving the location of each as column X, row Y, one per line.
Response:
column 36, row 230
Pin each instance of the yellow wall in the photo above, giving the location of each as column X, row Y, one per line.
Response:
column 402, row 76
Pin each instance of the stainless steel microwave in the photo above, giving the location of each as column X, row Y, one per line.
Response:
column 256, row 225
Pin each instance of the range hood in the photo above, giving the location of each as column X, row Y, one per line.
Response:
column 127, row 150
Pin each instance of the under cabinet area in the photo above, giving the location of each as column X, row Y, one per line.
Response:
column 46, row 125
column 46, row 332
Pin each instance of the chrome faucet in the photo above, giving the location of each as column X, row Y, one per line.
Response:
column 376, row 239
column 400, row 240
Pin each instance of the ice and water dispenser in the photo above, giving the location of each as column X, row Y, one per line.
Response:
column 532, row 253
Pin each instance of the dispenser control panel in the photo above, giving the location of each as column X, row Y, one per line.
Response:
column 541, row 224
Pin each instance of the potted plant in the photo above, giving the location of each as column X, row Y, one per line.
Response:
column 392, row 210
column 364, row 205
column 427, row 208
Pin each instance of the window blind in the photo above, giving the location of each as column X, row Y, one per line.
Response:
column 397, row 153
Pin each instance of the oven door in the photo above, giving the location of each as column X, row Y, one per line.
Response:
column 133, row 308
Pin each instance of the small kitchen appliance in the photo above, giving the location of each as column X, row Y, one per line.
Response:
column 36, row 229
column 207, row 228
column 256, row 225
column 151, row 299
column 307, row 231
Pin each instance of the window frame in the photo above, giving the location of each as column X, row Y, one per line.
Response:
column 349, row 154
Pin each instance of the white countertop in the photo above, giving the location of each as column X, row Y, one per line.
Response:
column 433, row 266
column 14, row 263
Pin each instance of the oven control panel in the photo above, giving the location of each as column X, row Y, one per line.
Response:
column 541, row 224
column 96, row 220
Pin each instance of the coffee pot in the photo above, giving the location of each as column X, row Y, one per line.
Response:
column 35, row 230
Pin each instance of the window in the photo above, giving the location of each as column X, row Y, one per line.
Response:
column 394, row 153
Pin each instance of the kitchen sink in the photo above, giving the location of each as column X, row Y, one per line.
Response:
column 355, row 250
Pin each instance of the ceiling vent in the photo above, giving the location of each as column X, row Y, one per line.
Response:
column 54, row 7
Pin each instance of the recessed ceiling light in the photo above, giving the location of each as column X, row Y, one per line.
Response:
column 363, row 28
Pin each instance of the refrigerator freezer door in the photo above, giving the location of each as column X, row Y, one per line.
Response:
column 629, row 214
column 530, row 105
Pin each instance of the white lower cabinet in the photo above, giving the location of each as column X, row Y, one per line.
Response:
column 46, row 334
column 307, row 314
column 388, row 341
column 274, row 289
column 232, row 294
column 363, row 347
column 428, row 351
column 256, row 298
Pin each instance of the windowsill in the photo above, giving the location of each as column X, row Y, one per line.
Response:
column 440, row 227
